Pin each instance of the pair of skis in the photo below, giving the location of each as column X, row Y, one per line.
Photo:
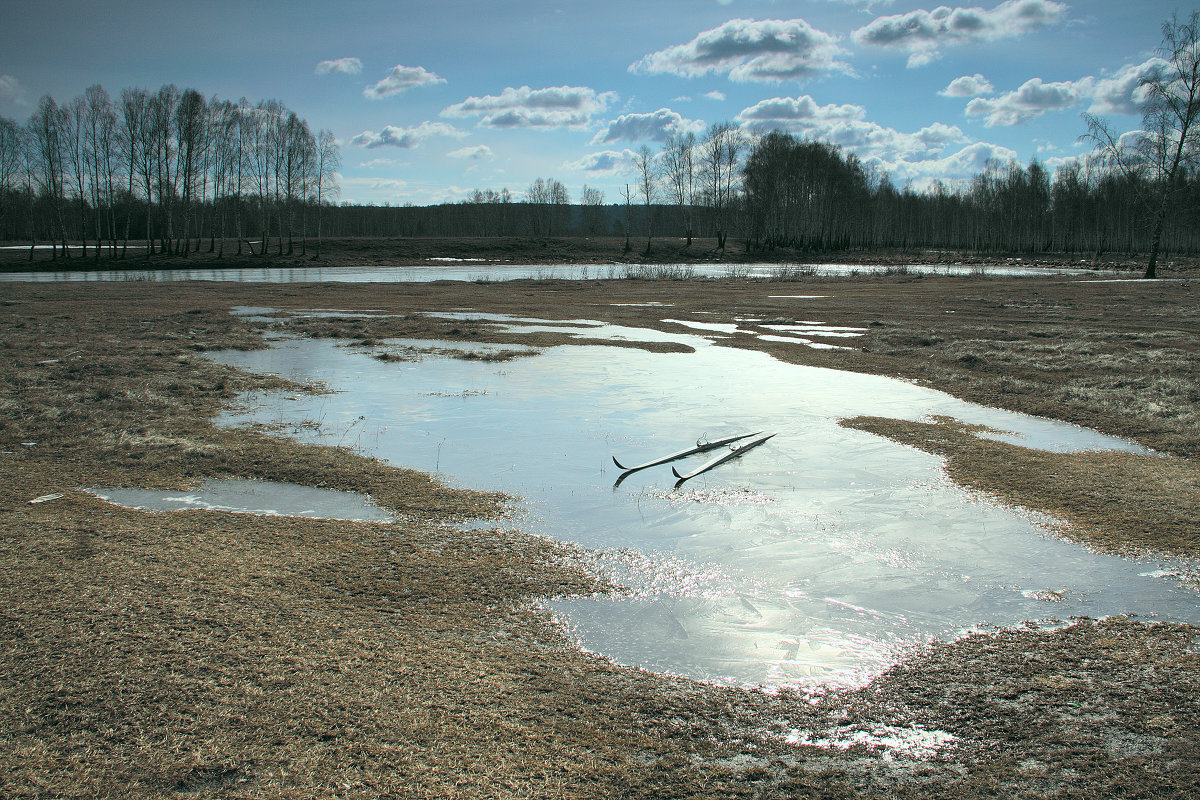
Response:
column 701, row 447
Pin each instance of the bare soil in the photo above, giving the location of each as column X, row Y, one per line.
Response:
column 207, row 655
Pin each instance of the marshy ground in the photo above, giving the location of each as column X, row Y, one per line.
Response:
column 207, row 654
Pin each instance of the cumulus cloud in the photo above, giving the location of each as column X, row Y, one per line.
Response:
column 378, row 162
column 968, row 86
column 655, row 126
column 343, row 66
column 404, row 138
column 715, row 94
column 479, row 152
column 552, row 107
column 1122, row 92
column 797, row 113
column 1033, row 99
column 960, row 165
column 768, row 50
column 399, row 79
column 846, row 126
column 923, row 33
column 606, row 162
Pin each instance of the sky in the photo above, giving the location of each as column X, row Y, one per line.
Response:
column 431, row 99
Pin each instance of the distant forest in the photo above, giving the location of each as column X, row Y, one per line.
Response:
column 173, row 172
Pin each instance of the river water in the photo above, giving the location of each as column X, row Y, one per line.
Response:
column 476, row 270
column 815, row 560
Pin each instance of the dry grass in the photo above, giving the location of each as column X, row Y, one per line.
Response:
column 209, row 655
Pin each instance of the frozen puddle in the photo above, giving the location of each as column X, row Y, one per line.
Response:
column 264, row 498
column 816, row 560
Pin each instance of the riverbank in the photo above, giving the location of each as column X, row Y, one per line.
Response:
column 218, row 655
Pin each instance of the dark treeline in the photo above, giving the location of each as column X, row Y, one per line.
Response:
column 173, row 172
column 810, row 196
column 164, row 172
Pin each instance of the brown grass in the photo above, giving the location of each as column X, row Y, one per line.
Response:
column 208, row 655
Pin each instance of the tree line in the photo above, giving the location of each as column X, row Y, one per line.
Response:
column 165, row 170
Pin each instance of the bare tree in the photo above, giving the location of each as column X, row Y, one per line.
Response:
column 327, row 163
column 721, row 152
column 138, row 155
column 679, row 170
column 627, row 198
column 191, row 129
column 646, row 171
column 1169, row 142
column 593, row 209
column 100, row 154
column 46, row 129
column 10, row 164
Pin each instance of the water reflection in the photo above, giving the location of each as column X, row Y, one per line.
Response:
column 814, row 560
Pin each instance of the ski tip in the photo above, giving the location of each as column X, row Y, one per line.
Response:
column 618, row 463
column 675, row 472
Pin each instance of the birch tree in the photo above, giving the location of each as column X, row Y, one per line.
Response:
column 328, row 162
column 647, row 185
column 1169, row 143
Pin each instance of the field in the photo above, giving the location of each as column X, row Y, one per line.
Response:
column 216, row 655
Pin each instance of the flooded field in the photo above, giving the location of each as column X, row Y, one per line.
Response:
column 459, row 269
column 815, row 560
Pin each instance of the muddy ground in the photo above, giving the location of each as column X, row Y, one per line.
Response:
column 210, row 655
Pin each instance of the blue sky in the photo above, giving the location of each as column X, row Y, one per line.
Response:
column 433, row 99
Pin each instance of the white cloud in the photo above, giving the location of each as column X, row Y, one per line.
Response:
column 1122, row 93
column 378, row 162
column 404, row 138
column 1033, row 99
column 12, row 90
column 655, row 126
column 797, row 112
column 768, row 50
column 343, row 66
column 479, row 152
column 923, row 33
column 846, row 125
column 606, row 162
column 373, row 184
column 962, row 165
column 552, row 107
column 968, row 86
column 715, row 94
column 399, row 79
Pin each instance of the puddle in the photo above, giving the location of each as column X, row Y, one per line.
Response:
column 264, row 498
column 816, row 560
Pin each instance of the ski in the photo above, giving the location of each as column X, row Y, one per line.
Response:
column 699, row 448
column 734, row 452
